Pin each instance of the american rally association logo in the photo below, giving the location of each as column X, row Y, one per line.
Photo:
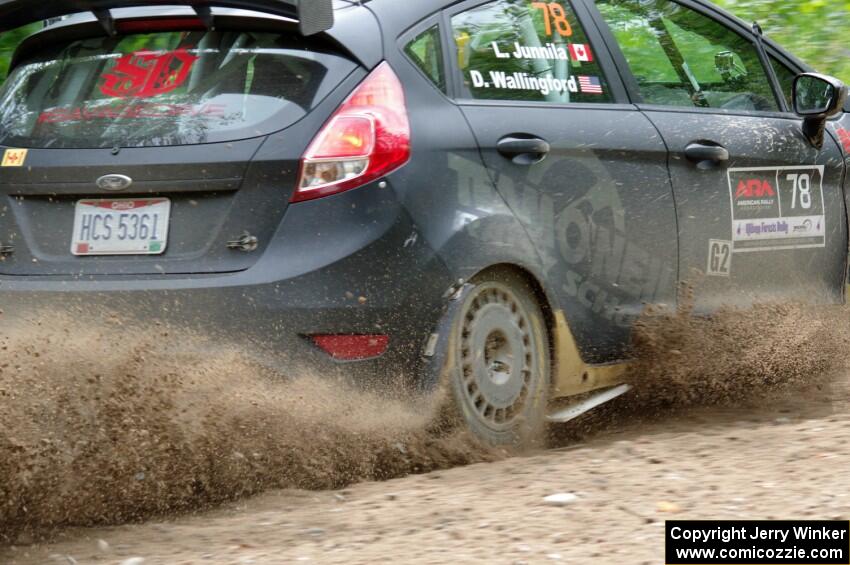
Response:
column 144, row 74
column 755, row 192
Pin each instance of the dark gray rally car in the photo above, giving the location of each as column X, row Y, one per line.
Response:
column 487, row 191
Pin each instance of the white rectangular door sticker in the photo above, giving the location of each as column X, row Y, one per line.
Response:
column 777, row 208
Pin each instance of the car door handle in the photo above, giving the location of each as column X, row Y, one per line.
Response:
column 523, row 150
column 706, row 154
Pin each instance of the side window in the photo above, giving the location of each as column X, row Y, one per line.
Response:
column 786, row 80
column 680, row 57
column 426, row 52
column 525, row 50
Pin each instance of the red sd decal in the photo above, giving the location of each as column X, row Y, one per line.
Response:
column 144, row 74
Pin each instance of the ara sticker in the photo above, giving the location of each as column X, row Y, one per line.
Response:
column 14, row 158
column 777, row 208
column 719, row 258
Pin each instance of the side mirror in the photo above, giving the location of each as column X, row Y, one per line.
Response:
column 816, row 99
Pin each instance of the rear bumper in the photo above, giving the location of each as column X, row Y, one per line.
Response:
column 349, row 264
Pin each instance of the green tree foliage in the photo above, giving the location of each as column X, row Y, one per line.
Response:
column 8, row 42
column 813, row 30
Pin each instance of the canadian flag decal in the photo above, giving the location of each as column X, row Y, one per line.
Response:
column 580, row 52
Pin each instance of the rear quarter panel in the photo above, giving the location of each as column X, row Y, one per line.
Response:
column 447, row 189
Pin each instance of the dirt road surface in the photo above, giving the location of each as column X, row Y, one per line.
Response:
column 783, row 459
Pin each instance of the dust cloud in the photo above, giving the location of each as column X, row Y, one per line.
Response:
column 112, row 424
column 736, row 356
column 116, row 424
column 741, row 359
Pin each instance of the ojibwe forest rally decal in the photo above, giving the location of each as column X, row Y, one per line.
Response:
column 777, row 208
column 135, row 77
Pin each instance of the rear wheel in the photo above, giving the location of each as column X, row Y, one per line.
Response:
column 499, row 362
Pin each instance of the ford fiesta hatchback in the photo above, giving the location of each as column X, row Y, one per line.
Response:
column 483, row 191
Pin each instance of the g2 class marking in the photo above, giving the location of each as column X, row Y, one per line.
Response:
column 719, row 258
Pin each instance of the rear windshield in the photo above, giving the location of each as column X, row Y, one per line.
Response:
column 173, row 88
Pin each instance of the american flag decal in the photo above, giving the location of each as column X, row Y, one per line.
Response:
column 590, row 85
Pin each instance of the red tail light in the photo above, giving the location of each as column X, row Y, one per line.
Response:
column 352, row 347
column 367, row 138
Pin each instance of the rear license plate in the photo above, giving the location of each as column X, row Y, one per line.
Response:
column 121, row 227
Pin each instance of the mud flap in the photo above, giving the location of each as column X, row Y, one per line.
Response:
column 436, row 352
column 596, row 399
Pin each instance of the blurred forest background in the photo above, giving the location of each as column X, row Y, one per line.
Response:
column 8, row 42
column 814, row 30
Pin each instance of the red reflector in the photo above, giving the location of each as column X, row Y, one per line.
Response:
column 352, row 347
column 160, row 24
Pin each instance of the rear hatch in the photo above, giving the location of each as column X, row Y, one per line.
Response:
column 139, row 147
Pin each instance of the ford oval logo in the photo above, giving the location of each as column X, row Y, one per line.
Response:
column 114, row 182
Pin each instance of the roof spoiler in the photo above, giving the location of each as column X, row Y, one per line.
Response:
column 314, row 16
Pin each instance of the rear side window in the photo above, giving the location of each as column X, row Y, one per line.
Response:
column 529, row 51
column 426, row 52
column 171, row 88
column 680, row 57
